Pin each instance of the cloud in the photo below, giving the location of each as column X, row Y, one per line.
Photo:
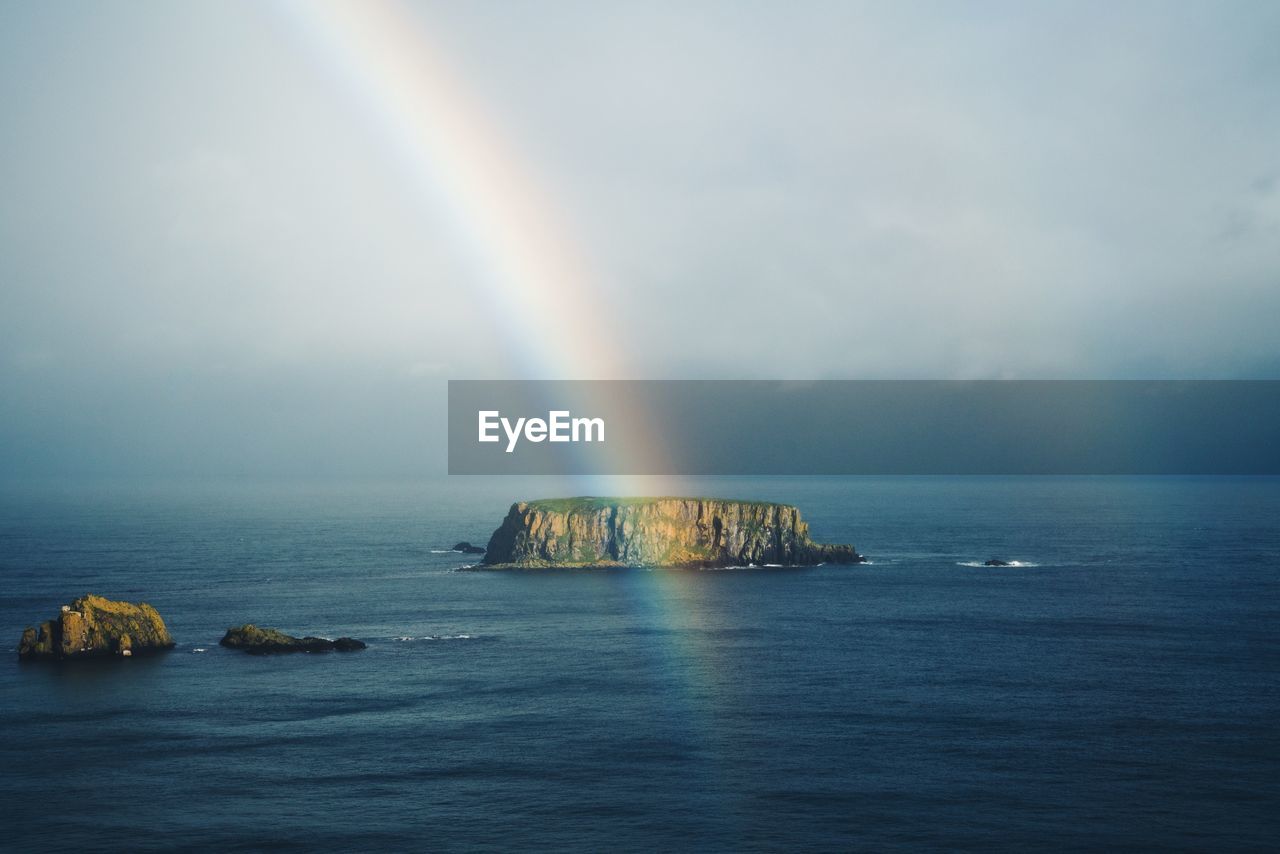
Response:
column 832, row 190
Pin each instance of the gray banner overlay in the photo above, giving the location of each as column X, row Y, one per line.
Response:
column 706, row 427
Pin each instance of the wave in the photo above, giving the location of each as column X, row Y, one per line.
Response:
column 1013, row 564
column 199, row 649
column 409, row 638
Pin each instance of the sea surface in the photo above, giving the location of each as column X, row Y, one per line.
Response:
column 1121, row 689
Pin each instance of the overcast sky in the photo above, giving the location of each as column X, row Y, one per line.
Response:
column 214, row 258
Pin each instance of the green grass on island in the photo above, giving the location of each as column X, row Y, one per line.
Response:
column 592, row 503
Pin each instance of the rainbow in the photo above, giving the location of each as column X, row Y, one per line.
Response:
column 539, row 285
column 536, row 278
column 538, row 282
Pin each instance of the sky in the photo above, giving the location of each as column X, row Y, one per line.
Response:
column 258, row 237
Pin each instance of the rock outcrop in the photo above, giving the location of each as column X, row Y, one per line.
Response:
column 995, row 561
column 656, row 532
column 467, row 549
column 93, row 626
column 256, row 641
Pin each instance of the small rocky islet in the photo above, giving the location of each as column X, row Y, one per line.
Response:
column 96, row 627
column 262, row 641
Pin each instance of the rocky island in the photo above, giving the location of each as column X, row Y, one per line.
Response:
column 94, row 626
column 256, row 641
column 681, row 533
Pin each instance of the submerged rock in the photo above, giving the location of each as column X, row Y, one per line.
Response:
column 93, row 626
column 256, row 641
column 656, row 532
column 995, row 561
column 468, row 549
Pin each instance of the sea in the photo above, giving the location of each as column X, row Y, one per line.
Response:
column 1117, row 688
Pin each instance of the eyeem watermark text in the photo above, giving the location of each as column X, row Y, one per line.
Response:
column 558, row 426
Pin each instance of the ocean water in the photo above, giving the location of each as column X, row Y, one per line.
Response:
column 1120, row 689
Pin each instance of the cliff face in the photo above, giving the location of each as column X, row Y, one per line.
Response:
column 658, row 532
column 92, row 625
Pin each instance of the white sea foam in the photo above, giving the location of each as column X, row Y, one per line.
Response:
column 199, row 649
column 1013, row 564
column 738, row 566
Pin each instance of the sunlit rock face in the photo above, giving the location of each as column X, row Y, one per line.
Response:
column 94, row 626
column 656, row 532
